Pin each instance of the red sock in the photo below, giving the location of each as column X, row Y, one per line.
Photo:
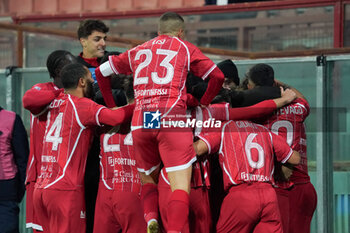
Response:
column 149, row 199
column 178, row 209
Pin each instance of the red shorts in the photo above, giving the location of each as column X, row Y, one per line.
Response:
column 31, row 219
column 250, row 207
column 302, row 204
column 172, row 147
column 283, row 205
column 60, row 211
column 199, row 215
column 118, row 211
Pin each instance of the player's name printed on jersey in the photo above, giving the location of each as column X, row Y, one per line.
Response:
column 254, row 177
column 56, row 103
column 153, row 120
column 297, row 109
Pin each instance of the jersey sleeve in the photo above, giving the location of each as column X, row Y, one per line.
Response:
column 281, row 148
column 212, row 139
column 89, row 112
column 305, row 106
column 219, row 111
column 115, row 64
column 38, row 97
column 251, row 112
column 121, row 64
column 200, row 65
column 116, row 116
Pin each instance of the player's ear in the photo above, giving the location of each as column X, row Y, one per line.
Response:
column 82, row 82
column 83, row 42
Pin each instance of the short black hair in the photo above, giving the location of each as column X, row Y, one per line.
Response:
column 229, row 69
column 261, row 75
column 86, row 27
column 57, row 60
column 71, row 74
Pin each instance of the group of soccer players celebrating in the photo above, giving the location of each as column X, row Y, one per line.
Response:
column 248, row 173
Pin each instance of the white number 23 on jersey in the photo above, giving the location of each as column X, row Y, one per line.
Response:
column 169, row 55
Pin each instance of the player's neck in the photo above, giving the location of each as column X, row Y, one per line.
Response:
column 75, row 92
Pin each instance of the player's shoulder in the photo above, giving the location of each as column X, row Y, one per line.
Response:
column 45, row 86
column 302, row 103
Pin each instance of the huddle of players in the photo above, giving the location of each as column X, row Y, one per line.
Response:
column 245, row 153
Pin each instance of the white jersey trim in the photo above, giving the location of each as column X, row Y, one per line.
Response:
column 76, row 112
column 208, row 72
column 130, row 61
column 288, row 156
column 103, row 176
column 34, row 226
column 148, row 172
column 30, row 166
column 181, row 167
column 106, row 69
column 97, row 114
column 188, row 53
column 206, row 142
column 227, row 173
column 164, row 178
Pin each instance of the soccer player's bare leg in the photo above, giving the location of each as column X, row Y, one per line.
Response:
column 178, row 206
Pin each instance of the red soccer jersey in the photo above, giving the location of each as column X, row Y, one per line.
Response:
column 288, row 122
column 246, row 152
column 160, row 68
column 118, row 169
column 37, row 127
column 67, row 139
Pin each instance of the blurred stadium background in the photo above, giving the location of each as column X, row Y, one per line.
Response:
column 307, row 42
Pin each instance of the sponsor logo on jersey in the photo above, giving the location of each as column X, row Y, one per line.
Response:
column 151, row 120
column 82, row 214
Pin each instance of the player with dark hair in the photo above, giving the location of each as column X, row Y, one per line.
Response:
column 261, row 78
column 35, row 100
column 231, row 74
column 297, row 192
column 71, row 118
column 160, row 68
column 246, row 154
column 92, row 36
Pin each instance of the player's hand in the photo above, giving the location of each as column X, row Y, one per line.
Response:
column 287, row 172
column 288, row 95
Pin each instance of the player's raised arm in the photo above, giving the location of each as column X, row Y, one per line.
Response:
column 251, row 112
column 116, row 116
column 36, row 99
column 217, row 78
column 103, row 73
column 115, row 64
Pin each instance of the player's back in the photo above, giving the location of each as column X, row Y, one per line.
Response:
column 66, row 142
column 118, row 164
column 246, row 153
column 288, row 122
column 160, row 67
